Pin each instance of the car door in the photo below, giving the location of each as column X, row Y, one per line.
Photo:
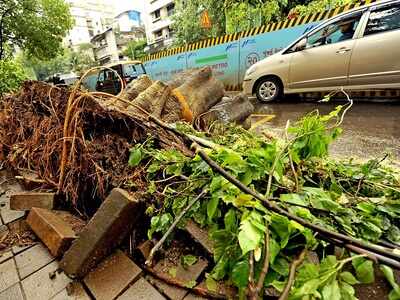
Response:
column 376, row 56
column 325, row 60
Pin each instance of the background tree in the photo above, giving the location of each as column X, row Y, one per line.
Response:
column 187, row 20
column 35, row 26
column 135, row 49
column 12, row 74
column 231, row 16
column 82, row 59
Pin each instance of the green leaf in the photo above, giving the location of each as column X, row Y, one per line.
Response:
column 348, row 277
column 250, row 235
column 190, row 284
column 212, row 207
column 188, row 260
column 364, row 270
column 388, row 272
column 240, row 274
column 230, row 220
column 331, row 291
column 347, row 291
column 211, row 284
column 273, row 250
column 308, row 288
column 135, row 157
column 281, row 266
column 306, row 272
column 172, row 272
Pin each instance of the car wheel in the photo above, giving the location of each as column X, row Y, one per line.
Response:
column 269, row 89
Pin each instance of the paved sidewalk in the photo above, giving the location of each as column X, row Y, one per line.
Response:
column 31, row 273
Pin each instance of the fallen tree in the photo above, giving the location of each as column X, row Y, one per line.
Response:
column 266, row 202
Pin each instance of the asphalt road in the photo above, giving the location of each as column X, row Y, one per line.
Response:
column 369, row 129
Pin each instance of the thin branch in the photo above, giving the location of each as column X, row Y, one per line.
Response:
column 251, row 287
column 171, row 228
column 273, row 207
column 264, row 271
column 293, row 268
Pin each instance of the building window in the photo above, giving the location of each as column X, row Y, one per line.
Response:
column 170, row 9
column 156, row 15
column 158, row 34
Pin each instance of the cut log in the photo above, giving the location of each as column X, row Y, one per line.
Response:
column 135, row 87
column 230, row 110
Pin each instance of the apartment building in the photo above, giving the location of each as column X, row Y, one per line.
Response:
column 109, row 45
column 91, row 17
column 158, row 24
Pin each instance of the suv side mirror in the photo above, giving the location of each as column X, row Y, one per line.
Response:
column 301, row 45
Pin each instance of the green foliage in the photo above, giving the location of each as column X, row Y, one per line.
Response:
column 360, row 200
column 12, row 75
column 35, row 26
column 135, row 49
column 188, row 260
column 82, row 59
column 187, row 20
column 45, row 68
column 388, row 272
column 319, row 5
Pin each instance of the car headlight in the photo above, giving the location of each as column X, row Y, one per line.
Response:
column 251, row 70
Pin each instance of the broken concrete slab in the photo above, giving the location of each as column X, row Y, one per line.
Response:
column 74, row 222
column 52, row 230
column 141, row 290
column 32, row 260
column 41, row 285
column 74, row 291
column 187, row 276
column 118, row 267
column 27, row 200
column 8, row 274
column 200, row 235
column 12, row 293
column 193, row 297
column 105, row 231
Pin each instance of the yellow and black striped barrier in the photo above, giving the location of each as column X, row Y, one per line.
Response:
column 318, row 16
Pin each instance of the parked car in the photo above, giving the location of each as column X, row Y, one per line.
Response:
column 108, row 81
column 357, row 50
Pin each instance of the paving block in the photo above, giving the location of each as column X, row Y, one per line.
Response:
column 32, row 260
column 105, row 231
column 184, row 275
column 25, row 201
column 193, row 297
column 112, row 276
column 12, row 293
column 52, row 230
column 8, row 274
column 200, row 235
column 5, row 255
column 74, row 291
column 40, row 285
column 141, row 290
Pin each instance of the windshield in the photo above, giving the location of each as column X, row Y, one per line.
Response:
column 133, row 70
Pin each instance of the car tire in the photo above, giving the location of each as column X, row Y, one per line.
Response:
column 269, row 89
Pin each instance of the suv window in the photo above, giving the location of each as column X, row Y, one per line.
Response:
column 339, row 31
column 383, row 19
